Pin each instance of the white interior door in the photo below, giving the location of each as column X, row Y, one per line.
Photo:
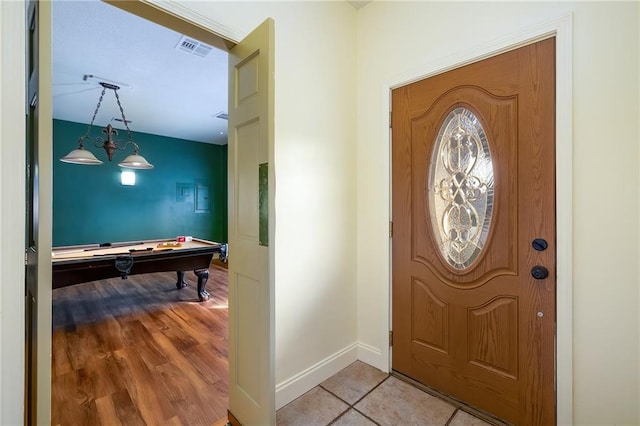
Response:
column 251, row 189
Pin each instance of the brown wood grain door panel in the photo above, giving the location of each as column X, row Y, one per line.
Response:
column 484, row 334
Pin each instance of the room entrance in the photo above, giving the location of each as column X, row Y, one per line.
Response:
column 250, row 181
column 473, row 159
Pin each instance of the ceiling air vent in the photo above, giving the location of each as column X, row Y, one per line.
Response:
column 193, row 47
column 222, row 115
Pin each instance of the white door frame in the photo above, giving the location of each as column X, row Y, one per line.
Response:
column 561, row 28
column 12, row 211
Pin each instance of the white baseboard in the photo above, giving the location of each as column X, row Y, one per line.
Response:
column 306, row 380
column 298, row 385
column 373, row 357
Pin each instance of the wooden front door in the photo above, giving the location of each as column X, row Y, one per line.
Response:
column 473, row 207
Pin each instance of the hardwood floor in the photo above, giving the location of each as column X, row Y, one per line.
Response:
column 139, row 351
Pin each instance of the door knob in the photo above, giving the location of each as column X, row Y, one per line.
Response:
column 539, row 244
column 539, row 272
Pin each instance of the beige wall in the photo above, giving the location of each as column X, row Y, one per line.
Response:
column 396, row 39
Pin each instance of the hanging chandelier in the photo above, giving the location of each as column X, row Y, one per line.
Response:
column 82, row 156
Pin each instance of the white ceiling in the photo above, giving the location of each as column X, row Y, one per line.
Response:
column 164, row 91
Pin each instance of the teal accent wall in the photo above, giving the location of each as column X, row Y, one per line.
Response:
column 90, row 205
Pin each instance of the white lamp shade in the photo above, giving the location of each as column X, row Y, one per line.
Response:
column 135, row 161
column 81, row 156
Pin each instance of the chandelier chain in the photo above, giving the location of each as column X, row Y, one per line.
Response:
column 124, row 119
column 95, row 113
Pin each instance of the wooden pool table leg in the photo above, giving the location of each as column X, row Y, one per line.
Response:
column 203, row 276
column 181, row 281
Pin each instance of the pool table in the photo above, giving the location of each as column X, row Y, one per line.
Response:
column 84, row 263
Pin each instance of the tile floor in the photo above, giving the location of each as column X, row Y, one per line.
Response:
column 361, row 395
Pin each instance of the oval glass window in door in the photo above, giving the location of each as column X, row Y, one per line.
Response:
column 460, row 188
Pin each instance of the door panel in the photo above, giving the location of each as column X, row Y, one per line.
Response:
column 499, row 115
column 251, row 292
column 469, row 319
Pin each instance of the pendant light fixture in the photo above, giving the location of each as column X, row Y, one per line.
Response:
column 82, row 156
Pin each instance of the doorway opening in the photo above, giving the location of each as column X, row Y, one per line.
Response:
column 127, row 345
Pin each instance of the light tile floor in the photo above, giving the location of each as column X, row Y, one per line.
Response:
column 361, row 395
